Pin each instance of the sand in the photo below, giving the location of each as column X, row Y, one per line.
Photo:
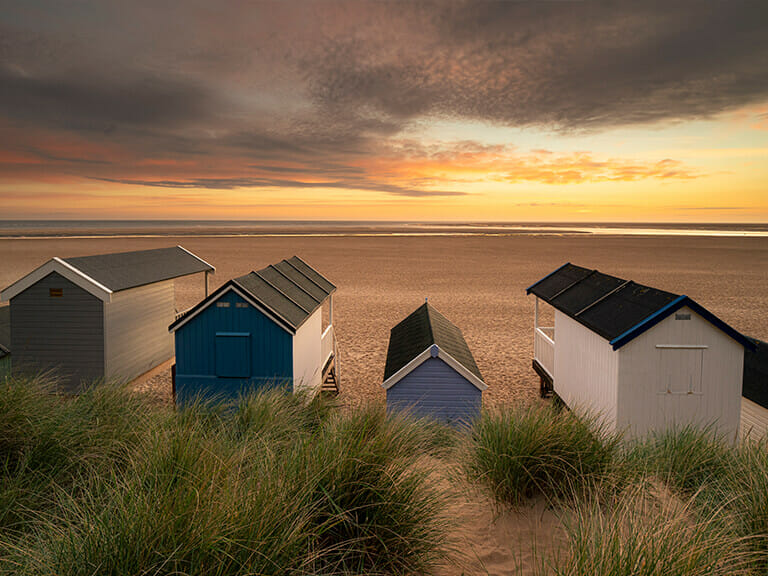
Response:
column 478, row 282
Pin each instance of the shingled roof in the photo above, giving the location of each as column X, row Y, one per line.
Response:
column 124, row 270
column 616, row 309
column 756, row 374
column 103, row 274
column 290, row 291
column 418, row 332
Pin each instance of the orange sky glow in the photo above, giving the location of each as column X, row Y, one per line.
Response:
column 469, row 118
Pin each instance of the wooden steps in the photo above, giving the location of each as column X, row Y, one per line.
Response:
column 546, row 385
column 330, row 385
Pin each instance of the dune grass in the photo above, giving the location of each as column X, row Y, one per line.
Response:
column 537, row 450
column 272, row 484
column 107, row 483
column 688, row 459
column 645, row 531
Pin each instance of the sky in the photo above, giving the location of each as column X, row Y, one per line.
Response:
column 449, row 111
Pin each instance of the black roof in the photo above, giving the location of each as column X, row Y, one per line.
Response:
column 616, row 309
column 291, row 290
column 420, row 330
column 124, row 270
column 5, row 330
column 756, row 374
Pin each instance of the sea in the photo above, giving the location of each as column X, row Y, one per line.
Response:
column 277, row 228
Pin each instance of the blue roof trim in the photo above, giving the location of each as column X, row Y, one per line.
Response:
column 671, row 308
column 528, row 290
column 647, row 322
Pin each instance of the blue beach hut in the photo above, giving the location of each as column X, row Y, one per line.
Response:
column 261, row 329
column 430, row 369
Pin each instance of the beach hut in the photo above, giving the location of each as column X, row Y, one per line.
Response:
column 97, row 317
column 642, row 359
column 754, row 395
column 5, row 341
column 430, row 369
column 261, row 329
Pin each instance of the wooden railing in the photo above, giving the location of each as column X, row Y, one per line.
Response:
column 544, row 349
column 182, row 313
column 328, row 345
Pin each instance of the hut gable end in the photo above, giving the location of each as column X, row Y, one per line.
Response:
column 423, row 334
column 55, row 324
column 230, row 314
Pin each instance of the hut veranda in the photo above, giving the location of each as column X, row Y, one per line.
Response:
column 641, row 358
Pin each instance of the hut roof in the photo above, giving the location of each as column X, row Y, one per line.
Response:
column 756, row 374
column 289, row 291
column 104, row 274
column 124, row 270
column 618, row 310
column 422, row 329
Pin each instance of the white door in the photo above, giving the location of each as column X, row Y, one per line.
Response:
column 679, row 384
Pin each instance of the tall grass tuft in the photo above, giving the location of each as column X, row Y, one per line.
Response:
column 49, row 443
column 688, row 459
column 377, row 508
column 649, row 533
column 270, row 484
column 537, row 450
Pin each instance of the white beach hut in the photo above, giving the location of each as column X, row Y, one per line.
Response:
column 642, row 359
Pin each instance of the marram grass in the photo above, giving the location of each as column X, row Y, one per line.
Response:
column 107, row 483
column 537, row 450
column 646, row 531
column 272, row 484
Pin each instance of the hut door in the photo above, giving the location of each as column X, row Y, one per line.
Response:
column 680, row 370
column 233, row 354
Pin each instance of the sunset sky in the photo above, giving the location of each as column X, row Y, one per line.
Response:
column 452, row 110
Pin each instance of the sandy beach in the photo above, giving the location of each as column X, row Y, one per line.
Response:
column 476, row 281
column 479, row 283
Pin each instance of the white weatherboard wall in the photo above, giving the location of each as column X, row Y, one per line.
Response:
column 136, row 336
column 586, row 369
column 708, row 362
column 307, row 371
column 754, row 420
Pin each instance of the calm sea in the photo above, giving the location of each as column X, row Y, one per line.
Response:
column 233, row 228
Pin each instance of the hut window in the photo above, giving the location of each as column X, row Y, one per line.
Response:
column 56, row 292
column 241, row 305
column 222, row 304
column 682, row 316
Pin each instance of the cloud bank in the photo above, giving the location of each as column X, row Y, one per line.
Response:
column 319, row 94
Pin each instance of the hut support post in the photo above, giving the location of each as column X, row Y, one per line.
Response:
column 206, row 283
column 535, row 314
column 330, row 309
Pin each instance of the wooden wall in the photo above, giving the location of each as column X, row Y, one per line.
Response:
column 64, row 334
column 136, row 330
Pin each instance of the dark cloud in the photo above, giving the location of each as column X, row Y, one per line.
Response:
column 91, row 103
column 563, row 65
column 317, row 88
column 233, row 183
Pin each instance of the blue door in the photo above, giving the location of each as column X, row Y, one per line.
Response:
column 233, row 354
